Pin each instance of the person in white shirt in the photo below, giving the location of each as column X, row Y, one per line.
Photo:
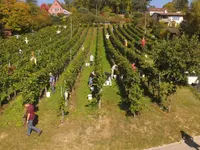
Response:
column 91, row 59
column 114, row 67
column 66, row 96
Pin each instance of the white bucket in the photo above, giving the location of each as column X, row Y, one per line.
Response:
column 89, row 96
column 48, row 94
column 92, row 88
column 107, row 82
column 87, row 64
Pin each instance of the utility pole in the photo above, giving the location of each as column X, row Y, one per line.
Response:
column 145, row 22
column 96, row 8
column 71, row 28
column 70, row 52
column 145, row 18
column 123, row 8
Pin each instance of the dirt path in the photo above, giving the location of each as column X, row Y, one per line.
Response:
column 182, row 145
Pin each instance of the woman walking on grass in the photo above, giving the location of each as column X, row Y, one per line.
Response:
column 30, row 116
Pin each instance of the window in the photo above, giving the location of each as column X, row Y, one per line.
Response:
column 56, row 9
column 175, row 18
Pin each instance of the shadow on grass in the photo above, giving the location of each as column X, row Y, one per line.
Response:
column 153, row 97
column 66, row 113
column 123, row 104
column 189, row 140
column 91, row 104
column 148, row 93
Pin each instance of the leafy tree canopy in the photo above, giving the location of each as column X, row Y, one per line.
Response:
column 170, row 7
column 117, row 6
column 192, row 21
column 32, row 1
column 21, row 16
column 181, row 5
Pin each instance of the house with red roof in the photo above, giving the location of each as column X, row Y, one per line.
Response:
column 56, row 9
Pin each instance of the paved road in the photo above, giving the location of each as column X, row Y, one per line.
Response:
column 183, row 145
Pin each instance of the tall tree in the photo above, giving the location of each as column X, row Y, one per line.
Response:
column 16, row 16
column 140, row 5
column 20, row 16
column 44, row 6
column 181, row 5
column 67, row 2
column 192, row 21
column 32, row 1
column 170, row 7
column 81, row 3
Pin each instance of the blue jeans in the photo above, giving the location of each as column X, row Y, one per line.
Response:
column 52, row 88
column 31, row 127
column 90, row 81
column 91, row 63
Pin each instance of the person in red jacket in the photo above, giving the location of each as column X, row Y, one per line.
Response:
column 30, row 113
column 143, row 42
column 134, row 67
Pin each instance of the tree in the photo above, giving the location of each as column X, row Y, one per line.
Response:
column 31, row 2
column 169, row 58
column 192, row 21
column 181, row 5
column 8, row 1
column 67, row 2
column 16, row 16
column 22, row 17
column 140, row 5
column 170, row 7
column 44, row 6
column 172, row 59
column 80, row 3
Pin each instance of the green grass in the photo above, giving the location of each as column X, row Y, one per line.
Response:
column 12, row 115
column 105, row 128
column 81, row 91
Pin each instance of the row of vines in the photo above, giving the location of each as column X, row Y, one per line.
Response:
column 25, row 66
column 158, row 74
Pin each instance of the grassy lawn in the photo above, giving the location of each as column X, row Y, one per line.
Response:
column 108, row 128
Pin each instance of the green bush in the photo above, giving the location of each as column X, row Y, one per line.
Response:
column 126, row 15
column 83, row 10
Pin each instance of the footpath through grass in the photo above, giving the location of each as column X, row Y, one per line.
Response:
column 110, row 93
column 79, row 95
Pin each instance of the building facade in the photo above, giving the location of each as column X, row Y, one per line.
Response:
column 172, row 19
column 156, row 10
column 56, row 9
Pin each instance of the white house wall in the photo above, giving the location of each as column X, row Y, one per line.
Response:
column 178, row 21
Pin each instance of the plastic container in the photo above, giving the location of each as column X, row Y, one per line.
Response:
column 87, row 64
column 89, row 96
column 48, row 94
column 92, row 88
column 107, row 82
